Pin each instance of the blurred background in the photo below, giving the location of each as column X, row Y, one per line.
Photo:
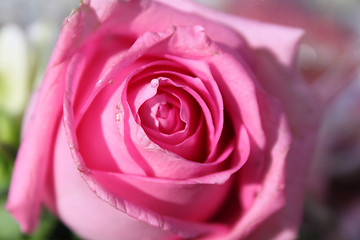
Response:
column 329, row 60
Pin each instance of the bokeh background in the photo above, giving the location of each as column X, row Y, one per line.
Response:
column 329, row 60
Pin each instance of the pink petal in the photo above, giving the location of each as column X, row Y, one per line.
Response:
column 264, row 200
column 167, row 197
column 257, row 34
column 26, row 191
column 27, row 184
column 69, row 214
column 81, row 209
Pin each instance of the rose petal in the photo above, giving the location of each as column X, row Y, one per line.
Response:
column 256, row 33
column 158, row 16
column 26, row 189
column 167, row 197
column 81, row 209
column 182, row 228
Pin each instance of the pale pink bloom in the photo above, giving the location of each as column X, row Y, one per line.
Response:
column 165, row 120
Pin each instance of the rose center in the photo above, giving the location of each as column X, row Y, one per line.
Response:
column 167, row 118
column 162, row 113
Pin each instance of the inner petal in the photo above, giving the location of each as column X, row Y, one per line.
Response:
column 169, row 119
column 163, row 110
column 162, row 113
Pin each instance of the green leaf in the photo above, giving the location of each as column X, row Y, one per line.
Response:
column 9, row 129
column 9, row 229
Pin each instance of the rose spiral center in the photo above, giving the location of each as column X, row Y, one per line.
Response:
column 168, row 112
column 163, row 110
column 161, row 114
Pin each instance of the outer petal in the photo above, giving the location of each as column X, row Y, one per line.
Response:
column 160, row 14
column 147, row 15
column 81, row 209
column 280, row 40
column 269, row 193
column 27, row 186
column 31, row 164
column 303, row 111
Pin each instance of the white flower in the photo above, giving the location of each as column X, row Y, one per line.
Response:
column 14, row 70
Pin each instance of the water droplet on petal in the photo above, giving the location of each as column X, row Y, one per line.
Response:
column 72, row 147
column 98, row 84
column 117, row 117
column 154, row 83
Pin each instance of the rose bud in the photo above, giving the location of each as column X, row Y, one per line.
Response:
column 167, row 120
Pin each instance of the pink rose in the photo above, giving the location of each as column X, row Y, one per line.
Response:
column 167, row 120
